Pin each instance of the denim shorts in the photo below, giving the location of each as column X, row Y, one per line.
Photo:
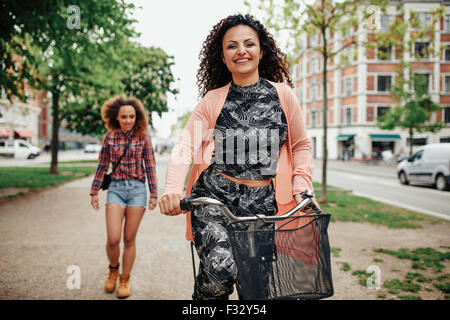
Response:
column 127, row 193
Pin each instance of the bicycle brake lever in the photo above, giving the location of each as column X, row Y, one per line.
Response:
column 185, row 205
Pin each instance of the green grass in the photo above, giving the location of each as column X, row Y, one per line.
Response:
column 346, row 207
column 407, row 285
column 35, row 178
column 428, row 259
column 362, row 276
column 409, row 298
column 76, row 162
column 423, row 258
column 335, row 251
column 346, row 266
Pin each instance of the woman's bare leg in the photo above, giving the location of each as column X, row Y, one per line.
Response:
column 133, row 217
column 114, row 219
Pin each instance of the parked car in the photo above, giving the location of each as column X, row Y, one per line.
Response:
column 19, row 149
column 92, row 147
column 431, row 165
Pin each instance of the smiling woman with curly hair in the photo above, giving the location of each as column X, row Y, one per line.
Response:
column 128, row 147
column 258, row 158
column 110, row 111
column 213, row 73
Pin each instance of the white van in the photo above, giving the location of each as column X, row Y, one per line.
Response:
column 19, row 149
column 431, row 165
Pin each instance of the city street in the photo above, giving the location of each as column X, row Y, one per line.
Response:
column 380, row 183
column 52, row 246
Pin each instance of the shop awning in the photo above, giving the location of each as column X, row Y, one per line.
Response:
column 345, row 137
column 384, row 137
column 5, row 132
column 24, row 134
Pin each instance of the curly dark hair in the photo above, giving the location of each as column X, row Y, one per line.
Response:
column 110, row 110
column 213, row 73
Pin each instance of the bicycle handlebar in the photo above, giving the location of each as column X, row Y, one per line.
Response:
column 188, row 204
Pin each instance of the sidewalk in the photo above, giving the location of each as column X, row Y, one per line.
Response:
column 43, row 234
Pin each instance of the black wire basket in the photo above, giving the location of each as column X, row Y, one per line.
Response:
column 289, row 259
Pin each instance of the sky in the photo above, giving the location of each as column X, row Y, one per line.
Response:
column 179, row 27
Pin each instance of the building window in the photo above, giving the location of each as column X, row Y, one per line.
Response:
column 2, row 113
column 348, row 86
column 299, row 71
column 315, row 64
column 421, row 80
column 348, row 55
column 300, row 94
column 447, row 115
column 447, row 84
column 446, row 23
column 421, row 50
column 314, row 40
column 385, row 21
column 314, row 91
column 444, row 140
column 384, row 53
column 417, row 141
column 447, row 53
column 348, row 115
column 424, row 19
column 313, row 118
column 381, row 110
column 383, row 83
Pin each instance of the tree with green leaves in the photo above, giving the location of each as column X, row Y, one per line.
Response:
column 414, row 110
column 137, row 71
column 67, row 52
column 322, row 18
column 20, row 22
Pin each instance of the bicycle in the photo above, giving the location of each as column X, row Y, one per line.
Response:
column 291, row 252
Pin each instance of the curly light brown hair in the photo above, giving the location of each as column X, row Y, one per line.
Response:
column 213, row 73
column 110, row 110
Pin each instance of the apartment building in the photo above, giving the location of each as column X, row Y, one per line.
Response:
column 32, row 121
column 359, row 92
column 19, row 120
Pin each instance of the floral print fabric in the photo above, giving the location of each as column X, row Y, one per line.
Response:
column 249, row 132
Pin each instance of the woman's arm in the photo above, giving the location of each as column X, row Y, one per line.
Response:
column 103, row 164
column 301, row 146
column 150, row 167
column 186, row 152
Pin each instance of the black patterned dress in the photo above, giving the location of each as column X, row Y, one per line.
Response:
column 248, row 137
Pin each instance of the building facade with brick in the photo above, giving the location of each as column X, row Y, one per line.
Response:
column 359, row 92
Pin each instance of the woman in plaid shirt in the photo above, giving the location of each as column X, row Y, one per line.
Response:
column 126, row 121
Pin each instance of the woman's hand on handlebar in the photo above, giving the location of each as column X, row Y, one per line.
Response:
column 298, row 198
column 169, row 204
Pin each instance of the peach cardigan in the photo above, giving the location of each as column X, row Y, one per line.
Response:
column 196, row 146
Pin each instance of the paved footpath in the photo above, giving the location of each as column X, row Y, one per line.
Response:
column 47, row 237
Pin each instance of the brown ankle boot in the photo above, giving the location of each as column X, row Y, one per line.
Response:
column 124, row 286
column 111, row 281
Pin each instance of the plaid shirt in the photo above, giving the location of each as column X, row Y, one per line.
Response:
column 131, row 166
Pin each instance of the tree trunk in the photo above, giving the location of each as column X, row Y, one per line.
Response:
column 323, row 192
column 55, row 129
column 410, row 141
